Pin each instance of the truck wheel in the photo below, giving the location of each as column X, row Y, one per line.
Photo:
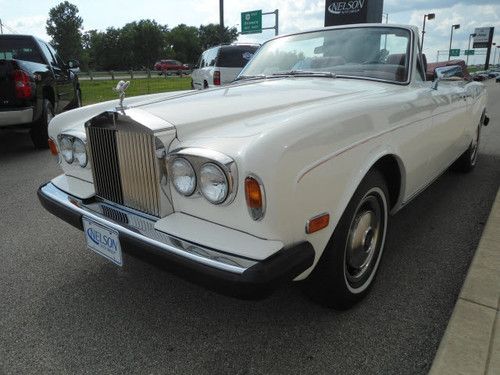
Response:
column 39, row 130
column 348, row 265
column 468, row 160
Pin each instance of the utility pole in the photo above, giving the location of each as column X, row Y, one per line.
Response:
column 221, row 19
column 221, row 13
column 1, row 27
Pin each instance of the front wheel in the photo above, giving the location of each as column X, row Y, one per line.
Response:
column 348, row 266
column 39, row 130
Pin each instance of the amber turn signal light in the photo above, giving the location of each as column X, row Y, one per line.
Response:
column 53, row 147
column 254, row 194
column 317, row 223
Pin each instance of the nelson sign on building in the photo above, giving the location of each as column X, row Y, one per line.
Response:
column 352, row 11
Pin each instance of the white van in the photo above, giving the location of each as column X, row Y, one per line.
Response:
column 221, row 65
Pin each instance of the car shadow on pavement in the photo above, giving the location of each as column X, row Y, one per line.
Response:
column 15, row 142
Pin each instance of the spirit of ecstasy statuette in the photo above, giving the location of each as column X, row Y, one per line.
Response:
column 120, row 89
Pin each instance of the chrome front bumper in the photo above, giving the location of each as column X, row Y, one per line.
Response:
column 138, row 237
column 16, row 117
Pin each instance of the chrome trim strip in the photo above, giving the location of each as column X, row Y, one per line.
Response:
column 142, row 229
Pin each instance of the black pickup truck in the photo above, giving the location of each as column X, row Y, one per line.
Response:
column 35, row 85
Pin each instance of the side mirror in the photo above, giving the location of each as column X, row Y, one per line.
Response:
column 447, row 73
column 73, row 64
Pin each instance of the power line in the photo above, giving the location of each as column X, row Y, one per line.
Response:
column 9, row 28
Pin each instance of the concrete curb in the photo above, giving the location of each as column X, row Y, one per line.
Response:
column 471, row 343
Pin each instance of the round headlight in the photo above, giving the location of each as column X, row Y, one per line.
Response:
column 214, row 184
column 80, row 152
column 183, row 176
column 66, row 144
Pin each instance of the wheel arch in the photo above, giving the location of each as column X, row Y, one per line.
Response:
column 392, row 168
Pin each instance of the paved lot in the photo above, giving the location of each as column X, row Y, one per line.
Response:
column 65, row 310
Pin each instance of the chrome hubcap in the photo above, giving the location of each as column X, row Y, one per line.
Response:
column 363, row 239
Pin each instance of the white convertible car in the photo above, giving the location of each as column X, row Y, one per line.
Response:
column 289, row 173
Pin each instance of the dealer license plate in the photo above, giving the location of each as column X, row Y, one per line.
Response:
column 103, row 240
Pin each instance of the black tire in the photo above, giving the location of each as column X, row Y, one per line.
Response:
column 337, row 281
column 205, row 85
column 192, row 84
column 179, row 73
column 39, row 130
column 468, row 160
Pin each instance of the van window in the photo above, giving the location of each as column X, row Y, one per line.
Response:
column 210, row 56
column 235, row 56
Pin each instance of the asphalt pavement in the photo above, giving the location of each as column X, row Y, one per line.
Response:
column 64, row 309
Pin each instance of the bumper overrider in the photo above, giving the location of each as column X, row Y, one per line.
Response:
column 227, row 273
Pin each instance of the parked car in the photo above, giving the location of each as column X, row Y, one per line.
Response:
column 220, row 65
column 480, row 77
column 283, row 175
column 35, row 84
column 171, row 66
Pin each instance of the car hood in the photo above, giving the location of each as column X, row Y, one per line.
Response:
column 248, row 108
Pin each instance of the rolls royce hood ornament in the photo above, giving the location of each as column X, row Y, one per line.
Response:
column 120, row 89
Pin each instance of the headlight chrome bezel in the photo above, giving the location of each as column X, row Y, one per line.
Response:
column 198, row 157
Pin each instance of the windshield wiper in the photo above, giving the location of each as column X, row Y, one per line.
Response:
column 305, row 73
column 258, row 76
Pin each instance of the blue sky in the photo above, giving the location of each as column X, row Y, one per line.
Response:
column 29, row 16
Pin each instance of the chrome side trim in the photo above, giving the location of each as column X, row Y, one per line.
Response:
column 142, row 229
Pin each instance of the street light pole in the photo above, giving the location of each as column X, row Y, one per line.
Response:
column 495, row 53
column 429, row 16
column 453, row 27
column 470, row 36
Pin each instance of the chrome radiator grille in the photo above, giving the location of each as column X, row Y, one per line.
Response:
column 124, row 168
column 138, row 171
column 105, row 168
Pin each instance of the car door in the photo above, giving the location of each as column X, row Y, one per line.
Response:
column 448, row 121
column 64, row 82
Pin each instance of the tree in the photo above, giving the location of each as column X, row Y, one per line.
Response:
column 211, row 35
column 64, row 26
column 145, row 40
column 183, row 43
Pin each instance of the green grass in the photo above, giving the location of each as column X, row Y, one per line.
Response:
column 100, row 91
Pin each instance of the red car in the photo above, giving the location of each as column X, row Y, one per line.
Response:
column 170, row 66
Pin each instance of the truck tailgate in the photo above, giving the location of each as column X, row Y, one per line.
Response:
column 7, row 96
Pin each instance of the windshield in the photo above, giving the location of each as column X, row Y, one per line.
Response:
column 370, row 52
